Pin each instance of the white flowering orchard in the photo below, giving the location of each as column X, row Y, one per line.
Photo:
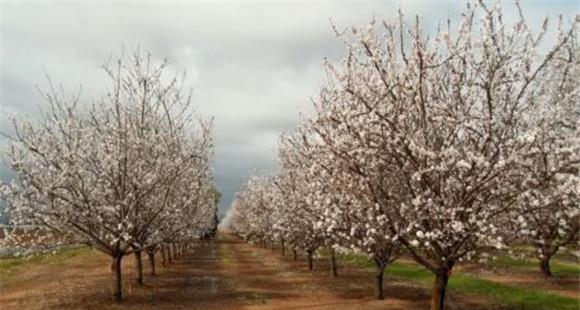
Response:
column 440, row 144
column 131, row 172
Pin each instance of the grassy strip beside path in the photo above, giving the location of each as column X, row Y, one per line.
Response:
column 558, row 267
column 521, row 298
column 11, row 264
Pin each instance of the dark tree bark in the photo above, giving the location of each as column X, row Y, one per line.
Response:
column 151, row 255
column 547, row 252
column 379, row 275
column 169, row 258
column 439, row 290
column 545, row 266
column 283, row 247
column 163, row 256
column 139, row 267
column 295, row 254
column 333, row 267
column 117, row 278
column 310, row 260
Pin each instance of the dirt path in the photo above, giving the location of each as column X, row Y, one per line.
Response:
column 267, row 281
column 226, row 274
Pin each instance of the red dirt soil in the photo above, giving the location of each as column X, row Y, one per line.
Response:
column 222, row 274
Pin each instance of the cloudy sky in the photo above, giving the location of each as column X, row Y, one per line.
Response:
column 252, row 65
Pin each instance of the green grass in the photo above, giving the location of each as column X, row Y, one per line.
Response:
column 519, row 298
column 557, row 266
column 10, row 264
column 564, row 254
column 522, row 298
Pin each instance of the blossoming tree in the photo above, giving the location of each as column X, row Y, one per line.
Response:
column 443, row 118
column 124, row 174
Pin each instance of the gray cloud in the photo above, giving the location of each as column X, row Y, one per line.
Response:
column 254, row 66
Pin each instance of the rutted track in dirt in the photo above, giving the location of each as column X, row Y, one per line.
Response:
column 260, row 278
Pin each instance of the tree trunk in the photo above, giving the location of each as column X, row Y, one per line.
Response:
column 545, row 266
column 151, row 254
column 139, row 267
column 163, row 257
column 295, row 254
column 117, row 278
column 283, row 247
column 380, row 272
column 169, row 259
column 333, row 263
column 310, row 261
column 439, row 291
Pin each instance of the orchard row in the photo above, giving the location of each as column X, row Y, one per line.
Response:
column 438, row 147
column 128, row 174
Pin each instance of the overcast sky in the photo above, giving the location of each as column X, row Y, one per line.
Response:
column 252, row 65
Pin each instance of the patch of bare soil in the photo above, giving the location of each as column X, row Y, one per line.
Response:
column 85, row 282
column 226, row 274
column 353, row 289
column 271, row 282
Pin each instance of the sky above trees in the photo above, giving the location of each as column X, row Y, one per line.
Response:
column 253, row 66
